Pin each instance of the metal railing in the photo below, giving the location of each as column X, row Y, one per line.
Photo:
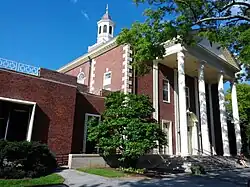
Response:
column 19, row 67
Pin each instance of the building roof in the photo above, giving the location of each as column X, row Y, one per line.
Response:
column 106, row 16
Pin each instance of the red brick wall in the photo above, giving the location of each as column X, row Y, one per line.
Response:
column 85, row 103
column 85, row 69
column 166, row 110
column 112, row 60
column 55, row 107
column 56, row 76
column 145, row 85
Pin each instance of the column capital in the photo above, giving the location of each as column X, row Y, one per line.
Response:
column 181, row 54
column 233, row 82
column 221, row 72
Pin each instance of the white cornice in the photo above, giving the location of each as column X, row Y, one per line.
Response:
column 85, row 58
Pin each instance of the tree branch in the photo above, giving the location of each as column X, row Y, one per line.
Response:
column 235, row 3
column 224, row 18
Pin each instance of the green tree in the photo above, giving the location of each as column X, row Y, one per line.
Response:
column 224, row 21
column 126, row 127
column 243, row 96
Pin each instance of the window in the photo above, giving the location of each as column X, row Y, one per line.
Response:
column 90, row 147
column 110, row 29
column 100, row 29
column 187, row 97
column 167, row 129
column 105, row 29
column 166, row 91
column 107, row 78
column 81, row 78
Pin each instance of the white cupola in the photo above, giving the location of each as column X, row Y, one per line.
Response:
column 105, row 28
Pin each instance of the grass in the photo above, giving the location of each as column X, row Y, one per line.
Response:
column 105, row 172
column 47, row 180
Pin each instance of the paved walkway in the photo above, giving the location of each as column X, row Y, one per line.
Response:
column 220, row 179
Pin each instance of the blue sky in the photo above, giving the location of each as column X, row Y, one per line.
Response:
column 50, row 33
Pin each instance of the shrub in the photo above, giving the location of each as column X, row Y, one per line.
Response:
column 197, row 169
column 126, row 127
column 25, row 160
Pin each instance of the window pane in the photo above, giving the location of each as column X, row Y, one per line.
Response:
column 105, row 29
column 165, row 95
column 100, row 30
column 107, row 75
column 107, row 79
column 165, row 90
column 110, row 29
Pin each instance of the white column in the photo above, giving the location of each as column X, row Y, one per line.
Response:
column 182, row 104
column 155, row 90
column 30, row 127
column 197, row 111
column 223, row 117
column 203, row 111
column 176, row 112
column 236, row 119
column 211, row 119
column 156, row 97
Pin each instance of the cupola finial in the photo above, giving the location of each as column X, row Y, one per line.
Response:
column 107, row 9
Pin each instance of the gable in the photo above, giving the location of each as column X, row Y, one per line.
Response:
column 220, row 52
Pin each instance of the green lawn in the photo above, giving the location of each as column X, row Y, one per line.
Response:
column 105, row 172
column 47, row 180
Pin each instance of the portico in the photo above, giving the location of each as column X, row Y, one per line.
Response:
column 201, row 129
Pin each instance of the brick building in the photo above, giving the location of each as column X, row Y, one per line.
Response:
column 186, row 89
column 45, row 106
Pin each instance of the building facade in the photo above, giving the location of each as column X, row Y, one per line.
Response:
column 186, row 88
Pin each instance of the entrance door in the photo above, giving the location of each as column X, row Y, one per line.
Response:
column 167, row 129
column 89, row 147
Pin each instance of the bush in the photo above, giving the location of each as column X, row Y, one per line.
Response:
column 25, row 160
column 197, row 169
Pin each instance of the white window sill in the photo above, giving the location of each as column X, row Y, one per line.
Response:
column 164, row 101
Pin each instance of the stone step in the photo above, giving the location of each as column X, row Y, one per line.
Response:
column 210, row 163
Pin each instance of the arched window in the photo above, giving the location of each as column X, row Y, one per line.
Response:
column 105, row 29
column 100, row 29
column 110, row 30
column 81, row 78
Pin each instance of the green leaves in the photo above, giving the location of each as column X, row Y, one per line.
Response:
column 222, row 21
column 126, row 127
column 243, row 96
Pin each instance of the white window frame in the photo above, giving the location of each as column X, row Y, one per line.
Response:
column 187, row 96
column 166, row 101
column 82, row 81
column 169, row 135
column 86, row 128
column 107, row 81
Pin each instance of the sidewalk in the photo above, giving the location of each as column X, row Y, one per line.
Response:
column 234, row 178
